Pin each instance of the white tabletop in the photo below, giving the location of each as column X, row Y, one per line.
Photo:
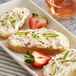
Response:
column 9, row 67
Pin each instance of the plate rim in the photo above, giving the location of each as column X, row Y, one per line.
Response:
column 12, row 55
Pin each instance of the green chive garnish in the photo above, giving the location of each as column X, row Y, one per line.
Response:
column 19, row 15
column 66, row 54
column 36, row 37
column 22, row 33
column 12, row 22
column 50, row 35
column 71, row 60
column 54, row 65
column 5, row 20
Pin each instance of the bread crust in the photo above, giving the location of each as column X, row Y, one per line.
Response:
column 6, row 36
column 22, row 49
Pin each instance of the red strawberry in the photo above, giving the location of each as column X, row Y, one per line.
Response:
column 36, row 21
column 37, row 59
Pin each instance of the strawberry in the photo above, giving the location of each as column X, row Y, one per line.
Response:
column 37, row 22
column 36, row 59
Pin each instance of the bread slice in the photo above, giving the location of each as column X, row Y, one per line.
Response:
column 61, row 64
column 12, row 21
column 46, row 41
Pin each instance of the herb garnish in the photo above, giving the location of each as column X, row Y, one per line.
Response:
column 5, row 20
column 35, row 36
column 22, row 33
column 12, row 21
column 54, row 65
column 71, row 60
column 50, row 35
column 66, row 54
column 19, row 15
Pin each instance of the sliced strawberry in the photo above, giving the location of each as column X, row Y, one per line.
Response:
column 38, row 59
column 36, row 21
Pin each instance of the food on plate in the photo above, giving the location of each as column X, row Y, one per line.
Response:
column 44, row 40
column 36, row 59
column 37, row 22
column 62, row 64
column 11, row 21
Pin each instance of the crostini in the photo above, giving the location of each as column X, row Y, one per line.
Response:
column 11, row 21
column 44, row 40
column 62, row 64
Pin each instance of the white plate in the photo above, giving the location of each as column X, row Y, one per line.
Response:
column 53, row 24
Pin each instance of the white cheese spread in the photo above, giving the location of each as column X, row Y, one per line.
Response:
column 58, row 42
column 6, row 26
column 63, row 63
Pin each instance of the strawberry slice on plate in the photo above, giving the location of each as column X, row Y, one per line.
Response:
column 37, row 22
column 36, row 59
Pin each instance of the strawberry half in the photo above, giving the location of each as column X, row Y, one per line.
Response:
column 36, row 59
column 37, row 22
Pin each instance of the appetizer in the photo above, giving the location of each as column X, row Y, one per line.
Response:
column 62, row 64
column 44, row 40
column 11, row 21
column 37, row 22
column 36, row 59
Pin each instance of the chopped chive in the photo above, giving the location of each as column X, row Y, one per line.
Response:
column 5, row 20
column 22, row 33
column 71, row 60
column 66, row 54
column 54, row 65
column 19, row 15
column 50, row 35
column 36, row 37
column 12, row 22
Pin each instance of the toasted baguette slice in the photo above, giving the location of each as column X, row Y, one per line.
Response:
column 11, row 21
column 61, row 64
column 43, row 40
